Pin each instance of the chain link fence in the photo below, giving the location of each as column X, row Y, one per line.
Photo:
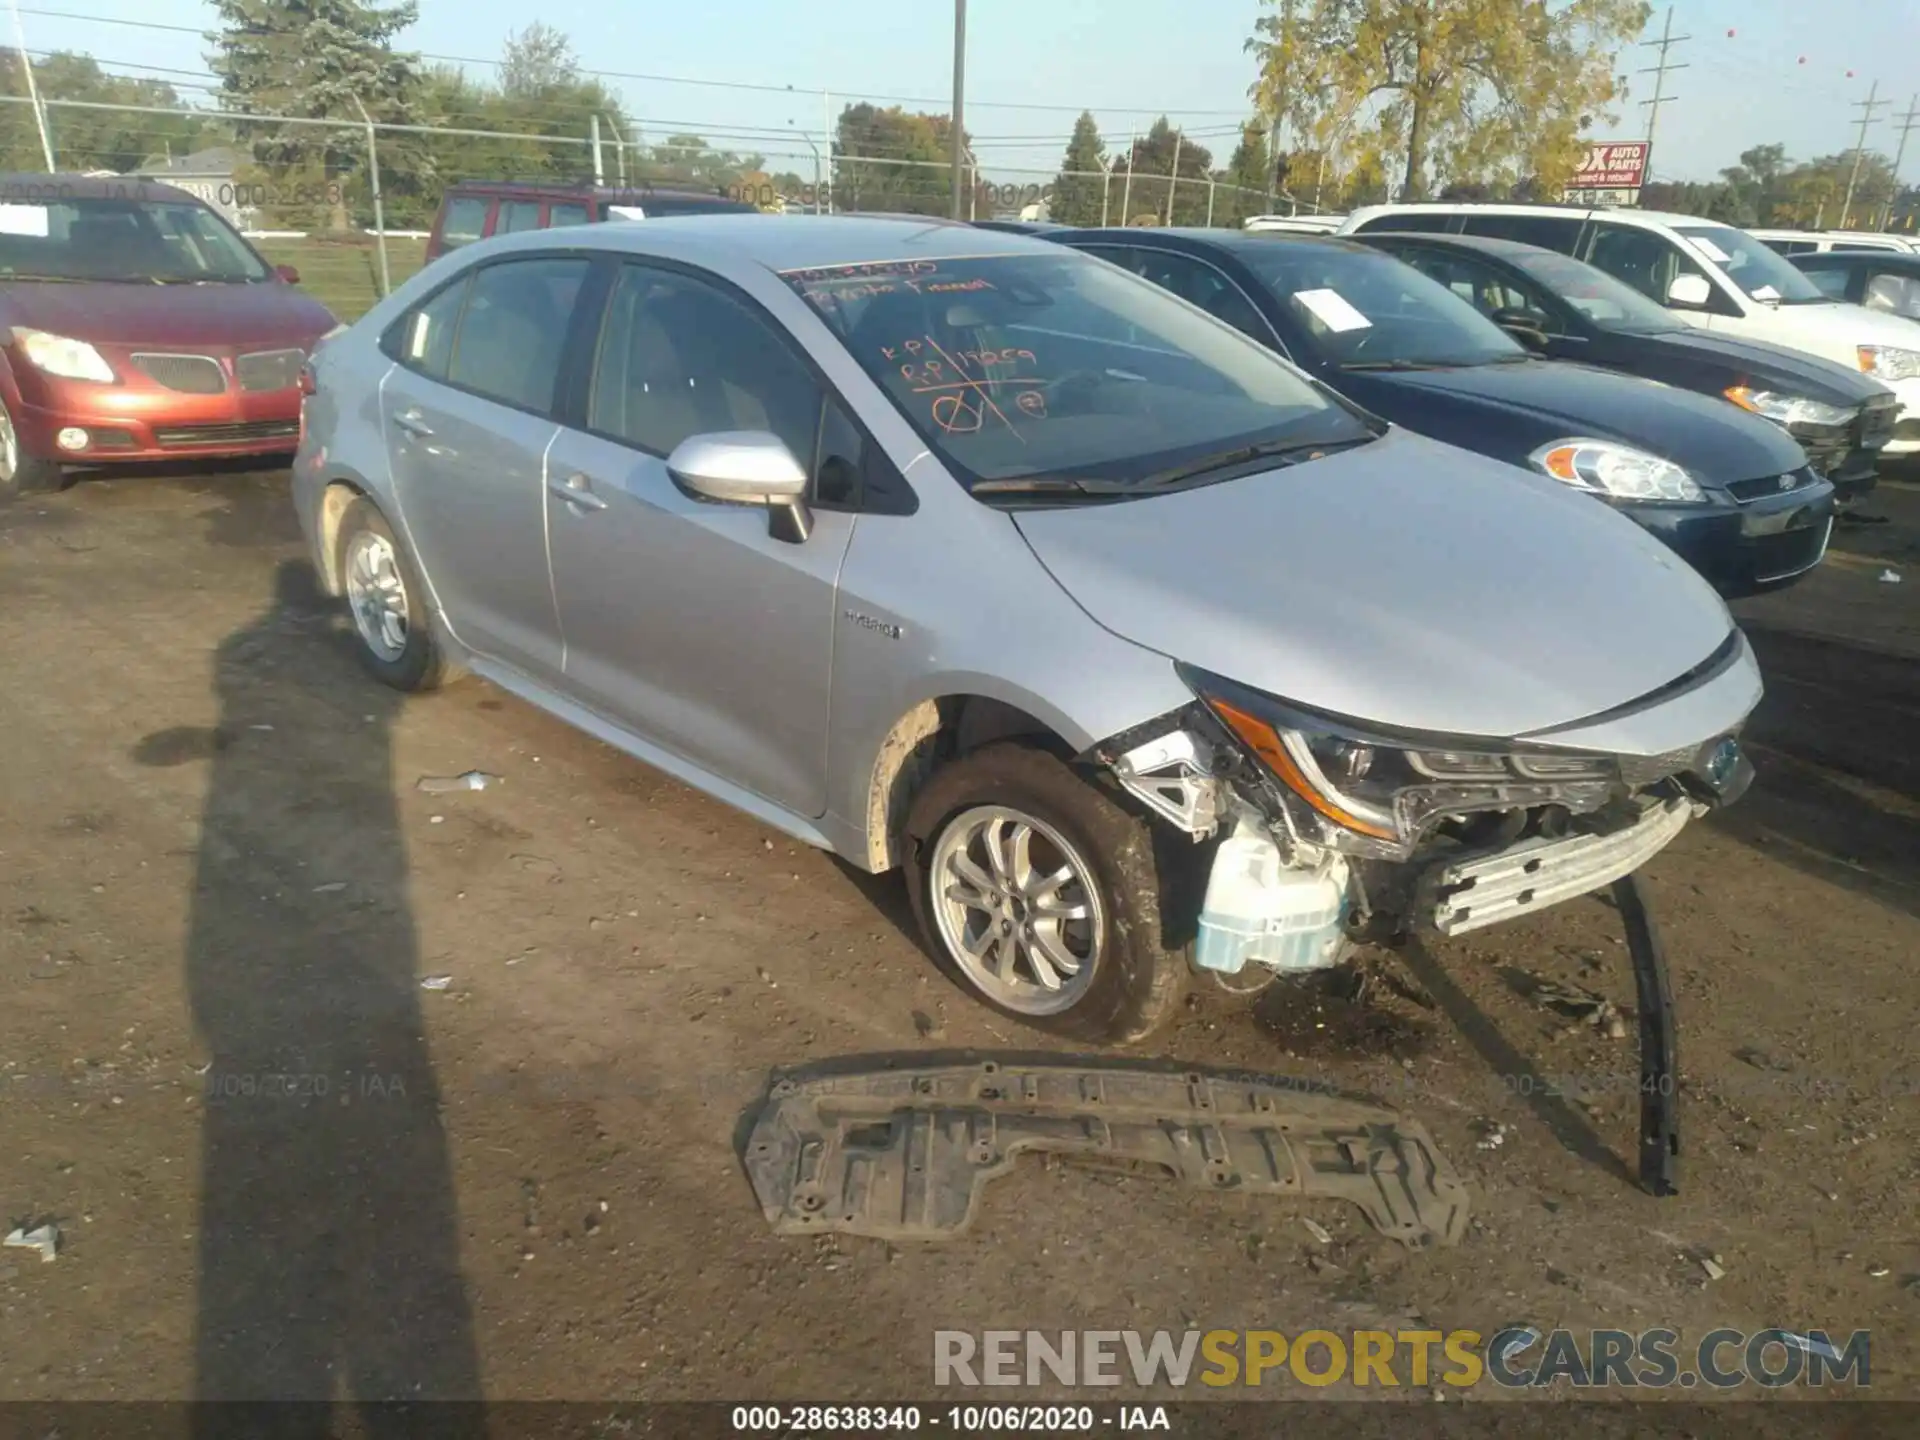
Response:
column 349, row 204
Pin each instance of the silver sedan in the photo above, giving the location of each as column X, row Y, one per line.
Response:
column 1141, row 654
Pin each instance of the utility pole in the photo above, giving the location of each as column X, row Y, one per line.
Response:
column 959, row 96
column 1866, row 108
column 33, row 88
column 1907, row 122
column 1665, row 43
column 593, row 135
column 1173, row 180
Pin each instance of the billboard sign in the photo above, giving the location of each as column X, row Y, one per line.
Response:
column 1613, row 165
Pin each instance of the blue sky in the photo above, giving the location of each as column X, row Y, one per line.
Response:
column 1033, row 64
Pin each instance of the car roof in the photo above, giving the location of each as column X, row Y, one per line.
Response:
column 1486, row 244
column 1904, row 260
column 580, row 188
column 1236, row 241
column 1610, row 212
column 787, row 242
column 30, row 187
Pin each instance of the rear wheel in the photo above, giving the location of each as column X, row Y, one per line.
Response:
column 21, row 473
column 1041, row 896
column 388, row 603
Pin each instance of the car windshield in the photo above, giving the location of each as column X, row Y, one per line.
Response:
column 1760, row 272
column 1598, row 296
column 1363, row 309
column 124, row 239
column 1019, row 367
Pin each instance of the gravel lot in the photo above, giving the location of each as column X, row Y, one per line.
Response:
column 215, row 866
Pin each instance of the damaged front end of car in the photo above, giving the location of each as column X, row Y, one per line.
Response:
column 1336, row 831
column 1341, row 833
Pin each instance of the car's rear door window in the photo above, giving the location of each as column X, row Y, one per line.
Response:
column 558, row 215
column 679, row 357
column 1549, row 232
column 465, row 222
column 424, row 340
column 514, row 328
column 1422, row 223
column 517, row 215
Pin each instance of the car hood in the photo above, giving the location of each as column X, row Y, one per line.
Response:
column 1404, row 582
column 1773, row 367
column 1713, row 440
column 266, row 312
column 1834, row 327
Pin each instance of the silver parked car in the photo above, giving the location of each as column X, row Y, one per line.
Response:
column 1139, row 653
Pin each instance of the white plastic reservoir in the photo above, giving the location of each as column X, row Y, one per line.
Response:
column 1259, row 908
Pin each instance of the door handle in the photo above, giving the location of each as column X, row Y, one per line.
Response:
column 410, row 421
column 575, row 491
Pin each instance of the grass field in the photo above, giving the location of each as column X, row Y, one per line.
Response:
column 344, row 275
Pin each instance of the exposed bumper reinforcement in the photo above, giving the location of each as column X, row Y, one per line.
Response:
column 903, row 1153
column 1485, row 890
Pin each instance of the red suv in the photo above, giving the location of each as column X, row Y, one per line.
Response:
column 136, row 324
column 473, row 210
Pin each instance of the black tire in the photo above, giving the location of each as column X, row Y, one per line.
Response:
column 32, row 474
column 421, row 664
column 1136, row 981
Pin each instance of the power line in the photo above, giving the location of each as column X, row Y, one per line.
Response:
column 667, row 79
column 1665, row 43
column 1866, row 108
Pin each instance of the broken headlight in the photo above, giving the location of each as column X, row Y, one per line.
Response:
column 1371, row 794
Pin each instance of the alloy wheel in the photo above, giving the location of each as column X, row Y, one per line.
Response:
column 377, row 594
column 1018, row 909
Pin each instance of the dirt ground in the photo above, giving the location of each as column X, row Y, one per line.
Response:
column 215, row 865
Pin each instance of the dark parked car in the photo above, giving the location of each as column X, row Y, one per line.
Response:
column 1566, row 309
column 1877, row 279
column 473, row 210
column 1730, row 492
column 136, row 324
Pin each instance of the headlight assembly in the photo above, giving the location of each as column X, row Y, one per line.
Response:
column 1886, row 362
column 57, row 355
column 1788, row 409
column 1369, row 796
column 1615, row 471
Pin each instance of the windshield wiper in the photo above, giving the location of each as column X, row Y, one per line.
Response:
column 1394, row 365
column 1053, row 485
column 1287, row 452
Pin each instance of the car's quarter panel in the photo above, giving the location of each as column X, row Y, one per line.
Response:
column 951, row 602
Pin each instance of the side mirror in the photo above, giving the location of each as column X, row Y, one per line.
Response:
column 287, row 273
column 1689, row 292
column 745, row 467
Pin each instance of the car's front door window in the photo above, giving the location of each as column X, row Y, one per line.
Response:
column 1201, row 284
column 1644, row 259
column 1489, row 290
column 1899, row 294
column 679, row 357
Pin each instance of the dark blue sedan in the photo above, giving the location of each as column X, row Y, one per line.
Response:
column 1729, row 491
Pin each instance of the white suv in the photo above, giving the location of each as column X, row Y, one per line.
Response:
column 1708, row 273
column 1817, row 242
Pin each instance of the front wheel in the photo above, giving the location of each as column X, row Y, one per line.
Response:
column 21, row 473
column 1041, row 895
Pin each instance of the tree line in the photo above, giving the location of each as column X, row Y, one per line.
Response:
column 1354, row 101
